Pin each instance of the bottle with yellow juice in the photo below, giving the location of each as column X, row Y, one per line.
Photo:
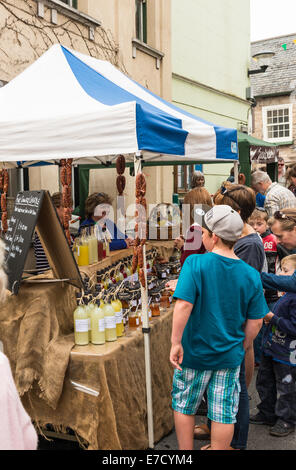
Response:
column 83, row 258
column 110, row 321
column 92, row 246
column 81, row 335
column 117, row 306
column 98, row 324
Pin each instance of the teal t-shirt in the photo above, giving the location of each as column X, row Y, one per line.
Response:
column 225, row 293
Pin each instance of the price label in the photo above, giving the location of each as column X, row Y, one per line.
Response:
column 81, row 326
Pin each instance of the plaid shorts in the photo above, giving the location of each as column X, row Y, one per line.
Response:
column 223, row 389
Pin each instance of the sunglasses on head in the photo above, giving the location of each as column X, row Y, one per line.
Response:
column 278, row 215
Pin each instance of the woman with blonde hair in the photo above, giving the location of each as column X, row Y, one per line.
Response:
column 16, row 430
column 192, row 244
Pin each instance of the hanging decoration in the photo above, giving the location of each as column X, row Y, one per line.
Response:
column 66, row 180
column 4, row 181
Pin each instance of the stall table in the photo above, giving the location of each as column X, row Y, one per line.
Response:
column 117, row 418
column 36, row 328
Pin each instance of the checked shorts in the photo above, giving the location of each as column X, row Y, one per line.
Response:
column 222, row 386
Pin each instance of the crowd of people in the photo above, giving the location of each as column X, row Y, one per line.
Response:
column 235, row 310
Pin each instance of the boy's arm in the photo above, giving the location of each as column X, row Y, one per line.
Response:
column 286, row 325
column 281, row 283
column 181, row 315
column 252, row 329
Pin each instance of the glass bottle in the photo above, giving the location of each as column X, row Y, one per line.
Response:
column 117, row 306
column 97, row 324
column 88, row 307
column 92, row 247
column 83, row 258
column 133, row 318
column 81, row 335
column 110, row 321
column 164, row 301
column 128, row 271
column 155, row 305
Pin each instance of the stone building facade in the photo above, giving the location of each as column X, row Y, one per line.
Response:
column 135, row 36
column 274, row 116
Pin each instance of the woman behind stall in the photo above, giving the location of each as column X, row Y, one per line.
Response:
column 97, row 209
column 16, row 429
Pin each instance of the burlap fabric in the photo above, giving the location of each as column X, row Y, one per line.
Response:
column 35, row 328
column 117, row 418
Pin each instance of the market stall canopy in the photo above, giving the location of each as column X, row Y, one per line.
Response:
column 69, row 105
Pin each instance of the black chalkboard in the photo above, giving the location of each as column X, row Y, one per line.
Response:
column 19, row 234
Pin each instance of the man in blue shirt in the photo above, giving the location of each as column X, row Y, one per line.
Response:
column 217, row 315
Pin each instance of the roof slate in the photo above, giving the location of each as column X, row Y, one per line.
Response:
column 280, row 77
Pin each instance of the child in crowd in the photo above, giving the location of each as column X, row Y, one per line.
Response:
column 258, row 221
column 217, row 315
column 276, row 379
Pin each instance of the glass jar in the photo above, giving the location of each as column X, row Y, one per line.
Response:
column 155, row 304
column 165, row 300
column 133, row 317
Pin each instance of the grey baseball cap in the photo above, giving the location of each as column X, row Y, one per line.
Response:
column 225, row 222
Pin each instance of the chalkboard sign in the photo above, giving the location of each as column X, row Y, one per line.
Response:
column 34, row 210
column 19, row 234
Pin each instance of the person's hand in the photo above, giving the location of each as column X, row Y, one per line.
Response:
column 179, row 243
column 176, row 355
column 171, row 285
column 129, row 242
column 268, row 317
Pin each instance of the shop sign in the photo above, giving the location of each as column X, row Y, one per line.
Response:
column 263, row 154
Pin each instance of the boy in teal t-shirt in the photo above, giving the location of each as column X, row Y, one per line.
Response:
column 217, row 315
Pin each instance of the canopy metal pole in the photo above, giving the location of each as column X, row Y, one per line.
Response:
column 146, row 332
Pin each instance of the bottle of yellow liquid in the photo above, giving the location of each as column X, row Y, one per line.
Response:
column 81, row 334
column 110, row 322
column 97, row 324
column 83, row 259
column 117, row 306
column 88, row 307
column 92, row 247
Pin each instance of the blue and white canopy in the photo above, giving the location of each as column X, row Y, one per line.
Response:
column 69, row 105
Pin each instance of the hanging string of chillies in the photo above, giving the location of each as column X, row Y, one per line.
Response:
column 4, row 181
column 120, row 180
column 66, row 180
column 140, row 228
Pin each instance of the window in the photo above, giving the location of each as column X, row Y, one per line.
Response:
column 71, row 3
column 277, row 123
column 182, row 177
column 141, row 20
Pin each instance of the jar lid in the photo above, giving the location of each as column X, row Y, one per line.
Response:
column 124, row 295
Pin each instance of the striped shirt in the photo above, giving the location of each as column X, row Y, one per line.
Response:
column 41, row 259
column 278, row 198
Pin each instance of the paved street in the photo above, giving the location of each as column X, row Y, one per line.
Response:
column 259, row 437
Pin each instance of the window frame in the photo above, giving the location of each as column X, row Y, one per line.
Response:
column 187, row 170
column 278, row 107
column 141, row 20
column 71, row 3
